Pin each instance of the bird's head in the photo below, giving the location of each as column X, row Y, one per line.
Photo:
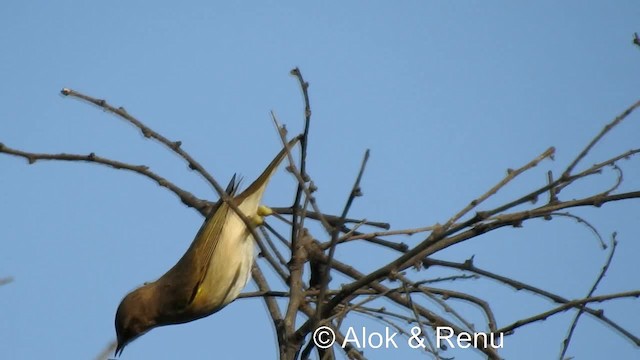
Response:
column 135, row 316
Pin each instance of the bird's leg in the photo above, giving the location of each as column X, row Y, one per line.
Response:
column 258, row 218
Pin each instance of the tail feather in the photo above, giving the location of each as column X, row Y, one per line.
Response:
column 253, row 194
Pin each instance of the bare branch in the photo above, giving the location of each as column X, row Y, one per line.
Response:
column 186, row 197
column 511, row 174
column 564, row 307
column 617, row 120
column 175, row 146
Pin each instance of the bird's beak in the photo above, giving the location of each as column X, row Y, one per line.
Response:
column 119, row 349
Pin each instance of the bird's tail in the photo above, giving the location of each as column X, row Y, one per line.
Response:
column 252, row 195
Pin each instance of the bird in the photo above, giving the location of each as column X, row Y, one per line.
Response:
column 212, row 271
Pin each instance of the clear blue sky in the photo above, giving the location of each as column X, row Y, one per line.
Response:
column 447, row 95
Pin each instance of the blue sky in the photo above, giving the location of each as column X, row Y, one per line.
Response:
column 447, row 95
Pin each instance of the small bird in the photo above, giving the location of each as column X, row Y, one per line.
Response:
column 210, row 274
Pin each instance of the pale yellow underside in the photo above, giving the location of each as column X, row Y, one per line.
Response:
column 232, row 259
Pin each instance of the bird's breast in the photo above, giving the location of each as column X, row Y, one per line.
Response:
column 229, row 269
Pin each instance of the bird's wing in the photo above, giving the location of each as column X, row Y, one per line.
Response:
column 182, row 281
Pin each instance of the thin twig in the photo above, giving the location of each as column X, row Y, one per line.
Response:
column 569, row 305
column 574, row 322
column 331, row 219
column 304, row 86
column 354, row 235
column 511, row 174
column 468, row 265
column 265, row 229
column 618, row 119
column 355, row 192
column 307, row 190
column 559, row 184
column 584, row 222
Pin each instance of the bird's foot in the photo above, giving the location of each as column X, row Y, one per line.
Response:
column 258, row 218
